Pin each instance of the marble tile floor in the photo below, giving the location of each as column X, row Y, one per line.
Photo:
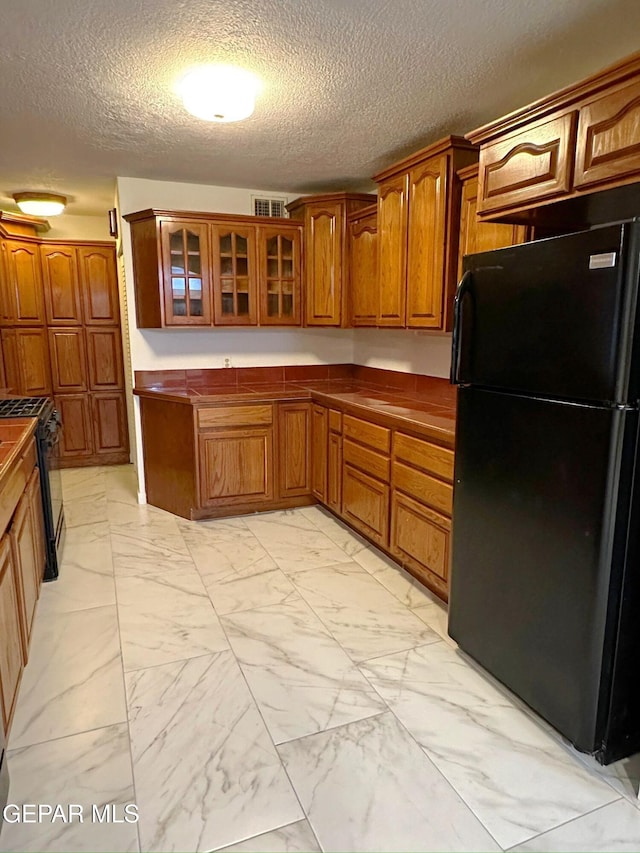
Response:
column 275, row 683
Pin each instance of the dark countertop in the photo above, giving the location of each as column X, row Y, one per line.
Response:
column 429, row 412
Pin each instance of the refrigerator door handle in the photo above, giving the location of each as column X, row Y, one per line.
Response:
column 463, row 287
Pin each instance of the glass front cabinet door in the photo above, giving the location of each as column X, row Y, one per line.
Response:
column 280, row 279
column 234, row 275
column 185, row 261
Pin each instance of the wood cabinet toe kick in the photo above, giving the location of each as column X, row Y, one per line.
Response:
column 389, row 481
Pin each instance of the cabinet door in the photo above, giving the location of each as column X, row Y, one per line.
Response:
column 236, row 466
column 334, row 473
column 24, row 275
column 234, row 275
column 76, row 438
column 61, row 285
column 294, row 458
column 25, row 556
column 280, row 272
column 323, row 263
column 68, row 360
column 10, row 358
column 98, row 285
column 33, row 362
column 528, row 166
column 478, row 236
column 392, row 250
column 7, row 310
column 10, row 643
column 363, row 271
column 109, row 419
column 104, row 357
column 319, row 439
column 365, row 504
column 420, row 537
column 608, row 132
column 185, row 272
column 426, row 244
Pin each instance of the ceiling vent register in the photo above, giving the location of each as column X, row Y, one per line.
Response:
column 270, row 207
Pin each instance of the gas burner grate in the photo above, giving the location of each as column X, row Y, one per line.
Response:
column 23, row 407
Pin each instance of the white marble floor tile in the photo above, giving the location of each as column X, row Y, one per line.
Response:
column 92, row 768
column 343, row 536
column 121, row 484
column 295, row 838
column 145, row 540
column 80, row 484
column 436, row 616
column 365, row 619
column 369, row 786
column 623, row 775
column 97, row 535
column 78, row 513
column 246, row 593
column 294, row 542
column 85, row 580
column 615, row 827
column 166, row 617
column 514, row 775
column 206, row 772
column 301, row 678
column 224, row 549
column 73, row 681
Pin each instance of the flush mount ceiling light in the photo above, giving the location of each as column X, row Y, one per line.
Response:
column 220, row 93
column 40, row 203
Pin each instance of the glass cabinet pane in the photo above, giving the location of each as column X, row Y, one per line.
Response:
column 225, row 244
column 286, row 247
column 185, row 257
column 272, row 247
column 241, row 245
column 272, row 267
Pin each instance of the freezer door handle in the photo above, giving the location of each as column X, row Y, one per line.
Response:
column 463, row 287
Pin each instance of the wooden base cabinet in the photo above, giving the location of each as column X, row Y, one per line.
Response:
column 25, row 554
column 236, row 466
column 11, row 651
column 365, row 504
column 319, row 439
column 420, row 540
column 294, row 449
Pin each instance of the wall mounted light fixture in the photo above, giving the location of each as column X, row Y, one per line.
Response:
column 40, row 203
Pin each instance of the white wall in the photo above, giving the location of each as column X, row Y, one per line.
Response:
column 404, row 350
column 67, row 227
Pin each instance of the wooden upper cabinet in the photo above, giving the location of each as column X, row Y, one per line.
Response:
column 363, row 267
column 185, row 273
column 325, row 258
column 608, row 145
column 392, row 250
column 104, row 357
column 477, row 236
column 418, row 229
column 98, row 285
column 581, row 139
column 68, row 360
column 10, row 361
column 280, row 274
column 533, row 163
column 234, row 275
column 427, row 233
column 61, row 285
column 24, row 294
column 33, row 362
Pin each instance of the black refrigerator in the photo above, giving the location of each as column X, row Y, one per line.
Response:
column 545, row 577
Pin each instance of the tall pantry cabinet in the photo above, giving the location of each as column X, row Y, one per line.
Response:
column 61, row 338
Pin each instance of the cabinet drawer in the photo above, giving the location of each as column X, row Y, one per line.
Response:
column 419, row 536
column 367, row 460
column 335, row 420
column 533, row 164
column 375, row 436
column 425, row 488
column 365, row 504
column 225, row 416
column 430, row 457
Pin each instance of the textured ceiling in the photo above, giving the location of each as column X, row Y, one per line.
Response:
column 349, row 85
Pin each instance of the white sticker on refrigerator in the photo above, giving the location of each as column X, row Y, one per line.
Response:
column 598, row 262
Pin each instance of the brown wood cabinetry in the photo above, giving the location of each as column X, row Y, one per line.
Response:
column 25, row 555
column 109, row 420
column 319, row 438
column 365, row 504
column 294, row 468
column 236, row 466
column 363, row 266
column 61, row 285
column 579, row 140
column 68, row 360
column 326, row 253
column 477, row 236
column 334, row 462
column 23, row 296
column 104, row 357
column 99, row 285
column 11, row 651
column 215, row 269
column 418, row 218
column 26, row 361
column 76, row 440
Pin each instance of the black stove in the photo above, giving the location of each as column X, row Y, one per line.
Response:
column 47, row 436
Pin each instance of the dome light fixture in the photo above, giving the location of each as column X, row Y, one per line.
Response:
column 40, row 203
column 221, row 93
